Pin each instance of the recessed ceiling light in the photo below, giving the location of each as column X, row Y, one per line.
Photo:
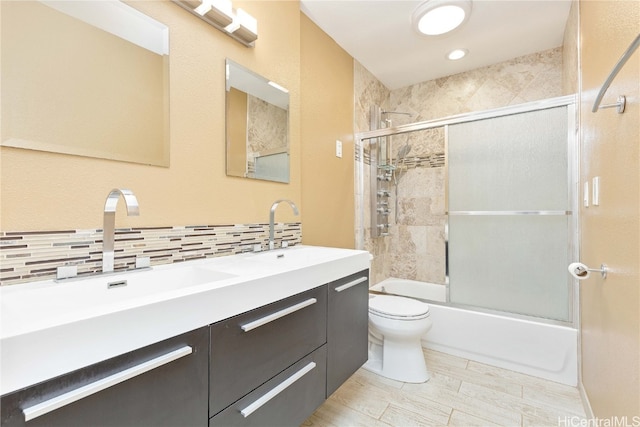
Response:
column 457, row 54
column 436, row 17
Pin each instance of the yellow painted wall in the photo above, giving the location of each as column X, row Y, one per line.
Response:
column 610, row 233
column 48, row 191
column 326, row 82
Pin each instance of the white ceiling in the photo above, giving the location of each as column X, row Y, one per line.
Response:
column 379, row 35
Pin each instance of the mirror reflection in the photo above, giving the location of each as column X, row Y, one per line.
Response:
column 85, row 78
column 257, row 121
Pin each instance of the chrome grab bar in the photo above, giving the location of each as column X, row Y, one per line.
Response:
column 621, row 102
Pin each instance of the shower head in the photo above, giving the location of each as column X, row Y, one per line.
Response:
column 403, row 151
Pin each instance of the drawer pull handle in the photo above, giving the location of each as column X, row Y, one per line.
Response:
column 89, row 389
column 278, row 314
column 350, row 284
column 276, row 390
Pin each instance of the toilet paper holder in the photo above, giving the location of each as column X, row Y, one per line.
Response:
column 582, row 272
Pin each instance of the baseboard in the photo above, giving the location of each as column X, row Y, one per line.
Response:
column 585, row 401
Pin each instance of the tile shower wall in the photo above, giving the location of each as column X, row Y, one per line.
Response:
column 415, row 248
column 35, row 255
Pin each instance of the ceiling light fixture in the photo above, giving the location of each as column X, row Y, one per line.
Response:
column 457, row 54
column 436, row 17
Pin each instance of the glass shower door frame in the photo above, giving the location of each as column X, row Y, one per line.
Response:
column 572, row 180
column 571, row 214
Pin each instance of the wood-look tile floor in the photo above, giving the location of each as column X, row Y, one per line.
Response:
column 460, row 393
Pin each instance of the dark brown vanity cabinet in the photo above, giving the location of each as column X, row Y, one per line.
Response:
column 287, row 399
column 271, row 366
column 250, row 354
column 164, row 384
column 347, row 328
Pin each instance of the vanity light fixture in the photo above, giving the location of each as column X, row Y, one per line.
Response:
column 456, row 54
column 237, row 24
column 243, row 26
column 436, row 17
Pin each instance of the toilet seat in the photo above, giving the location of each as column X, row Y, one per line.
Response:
column 398, row 308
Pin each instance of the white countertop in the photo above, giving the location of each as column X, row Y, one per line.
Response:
column 48, row 328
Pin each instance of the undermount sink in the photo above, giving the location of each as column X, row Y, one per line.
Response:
column 56, row 300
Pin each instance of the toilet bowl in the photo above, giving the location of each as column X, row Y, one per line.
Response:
column 396, row 325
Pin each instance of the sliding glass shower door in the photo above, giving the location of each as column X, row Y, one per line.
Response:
column 510, row 219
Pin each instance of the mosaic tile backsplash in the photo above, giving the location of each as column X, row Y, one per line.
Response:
column 35, row 255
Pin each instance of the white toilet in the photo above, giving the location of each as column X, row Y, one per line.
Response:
column 396, row 325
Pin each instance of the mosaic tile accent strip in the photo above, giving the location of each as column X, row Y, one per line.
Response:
column 427, row 161
column 35, row 255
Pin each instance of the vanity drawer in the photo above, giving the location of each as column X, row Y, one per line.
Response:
column 164, row 384
column 249, row 349
column 286, row 400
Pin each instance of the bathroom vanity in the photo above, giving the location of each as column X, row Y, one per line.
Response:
column 248, row 340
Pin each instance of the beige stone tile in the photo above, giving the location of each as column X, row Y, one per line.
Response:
column 465, row 375
column 520, row 378
column 316, row 420
column 467, row 404
column 362, row 397
column 397, row 416
column 552, row 421
column 564, row 398
column 531, row 409
column 538, row 391
column 433, row 356
column 460, row 419
column 413, row 402
column 333, row 413
column 459, row 393
column 436, row 381
column 368, row 378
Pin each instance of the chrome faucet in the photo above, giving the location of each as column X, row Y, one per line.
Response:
column 272, row 214
column 108, row 238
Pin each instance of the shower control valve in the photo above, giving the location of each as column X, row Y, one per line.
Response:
column 383, row 211
column 384, row 193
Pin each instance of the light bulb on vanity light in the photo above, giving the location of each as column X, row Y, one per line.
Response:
column 218, row 11
column 244, row 26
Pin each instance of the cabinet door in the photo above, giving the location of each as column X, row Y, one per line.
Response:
column 285, row 400
column 347, row 328
column 165, row 384
column 249, row 349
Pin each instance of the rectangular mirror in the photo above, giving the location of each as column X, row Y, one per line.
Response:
column 257, row 126
column 88, row 78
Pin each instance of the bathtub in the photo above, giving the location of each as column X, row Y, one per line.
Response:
column 539, row 349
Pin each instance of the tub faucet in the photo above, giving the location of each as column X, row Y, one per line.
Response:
column 108, row 237
column 272, row 214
